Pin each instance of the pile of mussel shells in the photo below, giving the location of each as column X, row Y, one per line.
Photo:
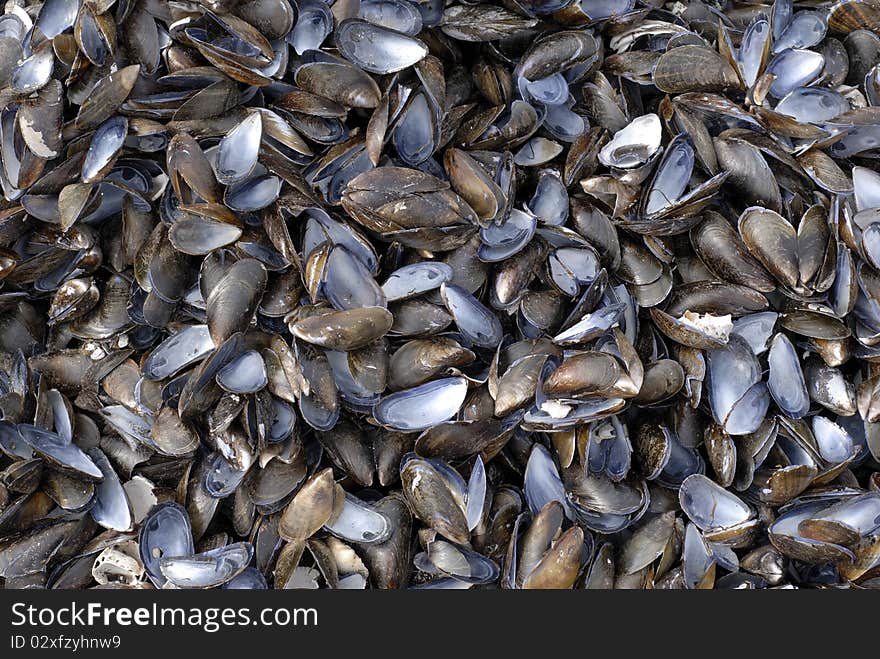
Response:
column 438, row 294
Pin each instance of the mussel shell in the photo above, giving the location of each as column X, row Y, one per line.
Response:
column 165, row 532
column 207, row 570
column 423, row 406
column 377, row 49
column 63, row 455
